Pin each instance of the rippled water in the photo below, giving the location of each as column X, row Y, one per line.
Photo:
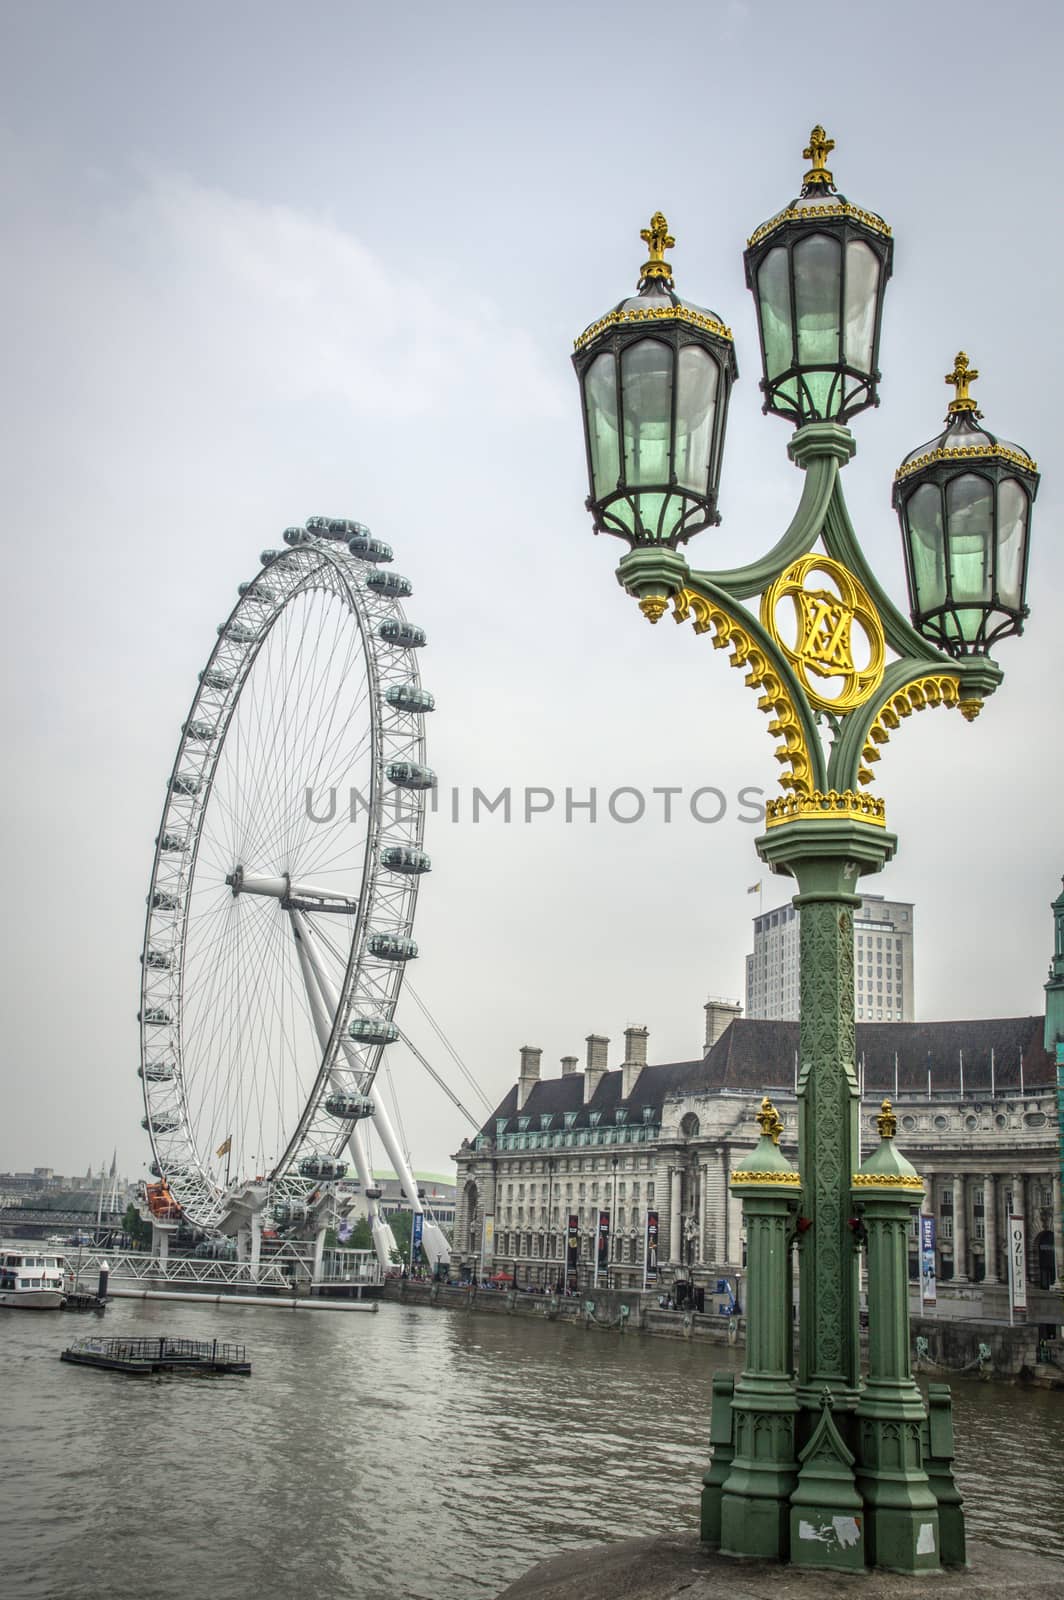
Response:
column 410, row 1455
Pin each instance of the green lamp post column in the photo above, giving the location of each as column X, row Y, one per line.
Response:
column 755, row 1497
column 901, row 1510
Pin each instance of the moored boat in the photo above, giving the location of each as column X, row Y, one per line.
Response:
column 31, row 1277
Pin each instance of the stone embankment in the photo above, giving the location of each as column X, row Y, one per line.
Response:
column 941, row 1349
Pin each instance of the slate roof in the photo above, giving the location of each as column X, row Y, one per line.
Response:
column 754, row 1055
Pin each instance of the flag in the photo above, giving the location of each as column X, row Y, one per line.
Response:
column 345, row 1232
column 225, row 1147
column 755, row 888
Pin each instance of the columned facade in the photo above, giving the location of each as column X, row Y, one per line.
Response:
column 670, row 1146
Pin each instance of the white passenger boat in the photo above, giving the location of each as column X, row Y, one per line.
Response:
column 31, row 1277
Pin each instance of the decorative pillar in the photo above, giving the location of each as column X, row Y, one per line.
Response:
column 675, row 1207
column 901, row 1511
column 960, row 1229
column 827, row 856
column 945, row 1182
column 990, row 1205
column 755, row 1496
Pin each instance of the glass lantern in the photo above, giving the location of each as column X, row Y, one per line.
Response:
column 964, row 503
column 655, row 377
column 817, row 271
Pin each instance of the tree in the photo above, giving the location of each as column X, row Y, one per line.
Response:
column 135, row 1226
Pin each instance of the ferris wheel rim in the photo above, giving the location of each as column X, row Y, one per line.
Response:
column 313, row 563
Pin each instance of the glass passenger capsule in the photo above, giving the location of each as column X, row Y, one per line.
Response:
column 238, row 632
column 392, row 947
column 162, row 900
column 159, row 959
column 410, row 775
column 200, row 732
column 403, row 634
column 349, row 1107
column 392, row 585
column 296, row 536
column 322, row 1167
column 171, row 841
column 162, row 1122
column 155, row 1016
column 373, row 1030
column 186, row 783
column 405, row 858
column 269, row 555
column 156, row 1072
column 287, row 1212
column 368, row 549
column 214, row 679
column 410, row 697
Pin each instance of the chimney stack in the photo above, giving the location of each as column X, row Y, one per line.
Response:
column 569, row 1065
column 597, row 1047
column 635, row 1059
column 720, row 1014
column 529, row 1075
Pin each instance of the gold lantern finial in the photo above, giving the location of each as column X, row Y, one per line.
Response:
column 769, row 1121
column 887, row 1122
column 817, row 151
column 962, row 375
column 658, row 239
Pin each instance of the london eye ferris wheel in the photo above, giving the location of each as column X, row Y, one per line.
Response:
column 283, row 890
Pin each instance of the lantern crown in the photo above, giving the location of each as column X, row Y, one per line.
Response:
column 817, row 151
column 658, row 239
column 962, row 375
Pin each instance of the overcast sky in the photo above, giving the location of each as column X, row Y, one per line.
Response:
column 264, row 261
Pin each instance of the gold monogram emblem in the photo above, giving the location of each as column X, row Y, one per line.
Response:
column 837, row 670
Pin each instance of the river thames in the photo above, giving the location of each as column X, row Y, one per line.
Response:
column 409, row 1455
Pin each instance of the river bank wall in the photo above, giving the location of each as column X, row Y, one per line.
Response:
column 940, row 1348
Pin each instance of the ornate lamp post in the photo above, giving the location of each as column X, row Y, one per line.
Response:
column 836, row 668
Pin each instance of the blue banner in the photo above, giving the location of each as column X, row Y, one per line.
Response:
column 928, row 1281
column 415, row 1238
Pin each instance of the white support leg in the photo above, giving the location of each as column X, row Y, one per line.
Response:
column 323, row 1003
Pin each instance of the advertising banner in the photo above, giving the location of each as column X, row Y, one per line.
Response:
column 650, row 1259
column 602, row 1259
column 928, row 1282
column 1017, row 1264
column 572, row 1251
column 416, row 1235
column 487, row 1240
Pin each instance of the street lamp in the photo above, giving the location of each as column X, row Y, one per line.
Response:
column 836, row 668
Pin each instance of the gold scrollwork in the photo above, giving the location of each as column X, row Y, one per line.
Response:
column 822, row 652
column 813, row 213
column 668, row 313
column 974, row 452
column 885, row 1180
column 934, row 690
column 775, row 698
column 765, row 1177
column 846, row 803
